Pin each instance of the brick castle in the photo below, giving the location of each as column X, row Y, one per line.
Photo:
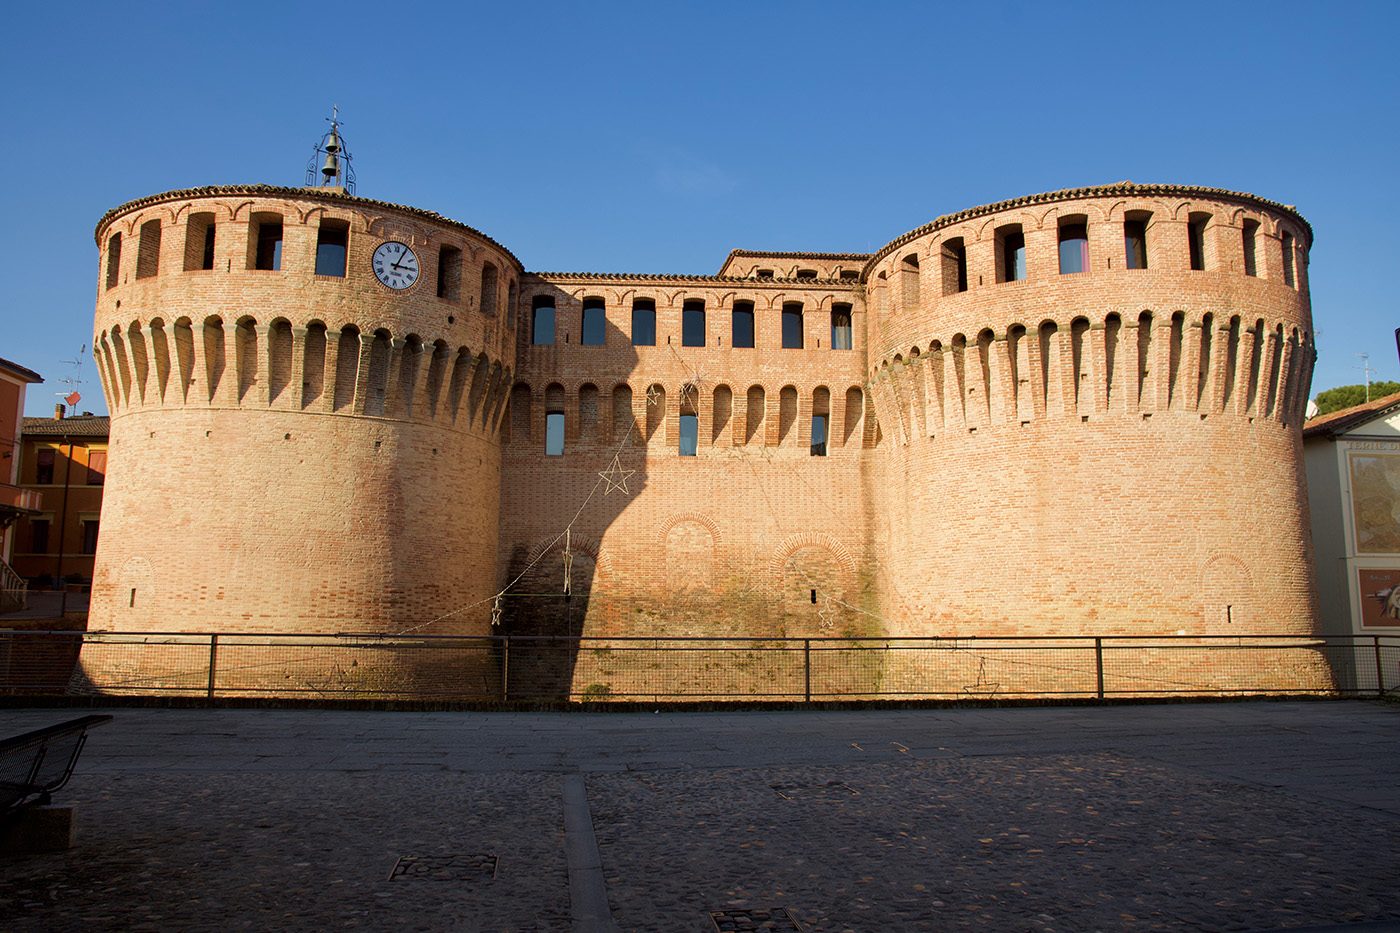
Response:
column 1068, row 413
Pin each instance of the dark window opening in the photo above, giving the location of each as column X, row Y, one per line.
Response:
column 764, row 273
column 1288, row 257
column 594, row 322
column 332, row 241
column 840, row 327
column 819, row 435
column 1011, row 254
column 114, row 259
column 554, row 434
column 542, row 321
column 1074, row 248
column 909, row 280
column 1196, row 237
column 1135, row 244
column 449, row 277
column 43, row 467
column 690, row 435
column 40, row 543
column 693, row 324
column 268, row 253
column 743, row 325
column 806, row 273
column 90, row 537
column 199, row 242
column 954, row 254
column 850, row 275
column 643, row 323
column 792, row 325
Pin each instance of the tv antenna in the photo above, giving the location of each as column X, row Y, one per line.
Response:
column 76, row 380
column 1366, row 368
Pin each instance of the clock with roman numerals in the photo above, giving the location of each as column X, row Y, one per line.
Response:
column 395, row 265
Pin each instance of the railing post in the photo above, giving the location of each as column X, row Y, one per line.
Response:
column 505, row 668
column 1380, row 674
column 1098, row 663
column 807, row 669
column 213, row 662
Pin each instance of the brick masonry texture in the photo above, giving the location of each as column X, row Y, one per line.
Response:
column 1109, row 451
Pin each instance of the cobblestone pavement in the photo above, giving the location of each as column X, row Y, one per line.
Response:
column 1241, row 816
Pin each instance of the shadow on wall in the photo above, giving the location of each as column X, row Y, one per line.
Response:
column 572, row 461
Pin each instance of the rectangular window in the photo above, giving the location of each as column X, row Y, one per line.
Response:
column 693, row 324
column 449, row 279
column 114, row 260
column 148, row 250
column 207, row 260
column 595, row 322
column 850, row 275
column 743, row 325
column 840, row 327
column 792, row 325
column 643, row 323
column 1135, row 244
column 1288, row 257
column 1074, row 248
column 1196, row 235
column 954, row 270
column 97, row 467
column 90, row 536
column 269, row 245
column 41, row 536
column 331, row 242
column 819, row 435
column 554, row 434
column 542, row 321
column 43, row 473
column 690, row 434
column 764, row 273
column 1251, row 229
column 1011, row 254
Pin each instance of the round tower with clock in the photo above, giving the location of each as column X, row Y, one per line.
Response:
column 306, row 389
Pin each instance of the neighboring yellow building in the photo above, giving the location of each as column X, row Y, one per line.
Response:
column 14, row 502
column 65, row 459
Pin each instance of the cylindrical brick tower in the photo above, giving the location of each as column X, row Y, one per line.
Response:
column 305, row 390
column 1090, row 403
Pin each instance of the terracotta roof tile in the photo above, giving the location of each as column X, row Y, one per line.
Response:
column 1339, row 422
column 76, row 426
column 24, row 372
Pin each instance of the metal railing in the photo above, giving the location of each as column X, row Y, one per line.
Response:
column 601, row 669
column 14, row 589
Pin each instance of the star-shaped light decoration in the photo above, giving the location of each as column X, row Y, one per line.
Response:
column 496, row 612
column 653, row 395
column 568, row 556
column 826, row 613
column 615, row 476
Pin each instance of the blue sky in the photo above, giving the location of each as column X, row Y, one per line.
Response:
column 656, row 137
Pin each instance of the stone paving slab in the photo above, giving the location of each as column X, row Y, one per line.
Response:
column 1236, row 816
column 296, row 852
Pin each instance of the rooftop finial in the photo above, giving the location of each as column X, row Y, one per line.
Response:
column 331, row 160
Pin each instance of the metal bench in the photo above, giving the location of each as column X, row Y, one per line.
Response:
column 35, row 764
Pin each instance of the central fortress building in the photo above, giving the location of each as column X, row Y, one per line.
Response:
column 1069, row 413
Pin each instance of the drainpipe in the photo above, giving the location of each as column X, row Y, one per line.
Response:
column 63, row 526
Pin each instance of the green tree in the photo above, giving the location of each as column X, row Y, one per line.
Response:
column 1347, row 396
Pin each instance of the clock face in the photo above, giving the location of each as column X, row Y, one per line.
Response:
column 395, row 265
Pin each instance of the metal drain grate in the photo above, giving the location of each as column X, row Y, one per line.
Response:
column 829, row 789
column 444, row 868
column 775, row 919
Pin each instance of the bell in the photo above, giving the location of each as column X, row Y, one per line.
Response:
column 333, row 142
column 331, row 168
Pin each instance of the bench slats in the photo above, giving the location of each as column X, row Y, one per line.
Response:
column 38, row 763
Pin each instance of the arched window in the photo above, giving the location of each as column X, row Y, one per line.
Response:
column 954, row 261
column 1011, row 253
column 1135, row 239
column 840, row 327
column 643, row 322
column 742, row 320
column 594, row 322
column 693, row 323
column 489, row 289
column 792, row 325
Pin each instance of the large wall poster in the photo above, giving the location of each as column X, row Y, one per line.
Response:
column 1380, row 598
column 1375, row 502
